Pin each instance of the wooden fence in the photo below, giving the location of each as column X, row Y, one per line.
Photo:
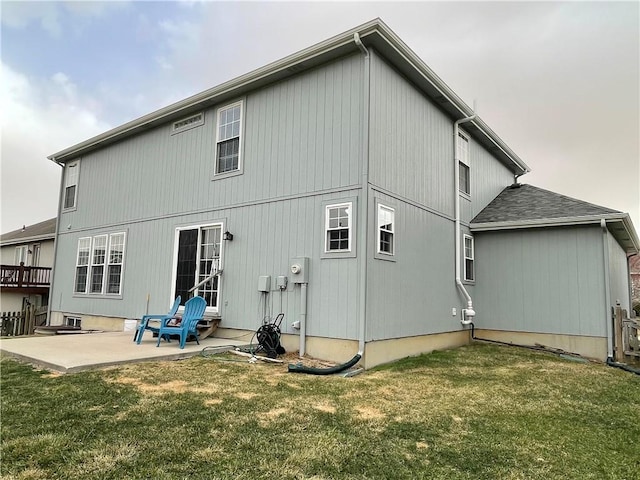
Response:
column 13, row 324
column 626, row 336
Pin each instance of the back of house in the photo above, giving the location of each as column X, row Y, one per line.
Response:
column 337, row 186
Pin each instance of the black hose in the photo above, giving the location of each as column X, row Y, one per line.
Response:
column 298, row 368
column 622, row 366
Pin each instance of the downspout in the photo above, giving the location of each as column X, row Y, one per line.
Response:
column 607, row 289
column 303, row 319
column 467, row 313
column 55, row 241
column 364, row 200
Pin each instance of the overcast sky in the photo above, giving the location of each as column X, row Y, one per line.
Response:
column 559, row 82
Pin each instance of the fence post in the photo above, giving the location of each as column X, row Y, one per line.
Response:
column 618, row 349
column 30, row 313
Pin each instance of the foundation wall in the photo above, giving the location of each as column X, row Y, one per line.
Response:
column 590, row 347
column 385, row 351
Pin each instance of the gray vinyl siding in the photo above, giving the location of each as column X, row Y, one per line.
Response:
column 266, row 237
column 541, row 280
column 618, row 274
column 414, row 294
column 301, row 135
column 488, row 178
column 411, row 141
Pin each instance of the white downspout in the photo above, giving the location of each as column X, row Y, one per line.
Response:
column 303, row 319
column 467, row 313
column 607, row 289
column 55, row 240
column 364, row 200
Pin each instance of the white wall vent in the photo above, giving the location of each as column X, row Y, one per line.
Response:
column 187, row 123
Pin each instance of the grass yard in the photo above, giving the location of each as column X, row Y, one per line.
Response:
column 477, row 412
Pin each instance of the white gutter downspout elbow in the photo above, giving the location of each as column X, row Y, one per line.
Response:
column 467, row 313
column 607, row 289
column 364, row 200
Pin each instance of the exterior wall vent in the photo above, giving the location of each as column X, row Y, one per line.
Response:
column 188, row 123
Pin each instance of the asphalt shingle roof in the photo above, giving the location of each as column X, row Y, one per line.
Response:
column 48, row 227
column 526, row 202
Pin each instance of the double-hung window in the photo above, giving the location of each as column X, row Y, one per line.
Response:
column 338, row 225
column 228, row 138
column 82, row 265
column 20, row 255
column 71, row 174
column 99, row 263
column 463, row 164
column 469, row 273
column 98, row 256
column 386, row 230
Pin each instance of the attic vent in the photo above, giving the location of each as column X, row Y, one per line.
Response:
column 187, row 123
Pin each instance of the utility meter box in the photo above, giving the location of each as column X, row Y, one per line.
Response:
column 300, row 270
column 264, row 283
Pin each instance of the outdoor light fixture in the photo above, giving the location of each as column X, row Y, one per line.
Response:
column 227, row 235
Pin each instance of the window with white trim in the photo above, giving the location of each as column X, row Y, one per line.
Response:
column 228, row 141
column 463, row 164
column 469, row 273
column 116, row 259
column 98, row 257
column 338, row 222
column 386, row 230
column 20, row 255
column 82, row 265
column 99, row 263
column 71, row 174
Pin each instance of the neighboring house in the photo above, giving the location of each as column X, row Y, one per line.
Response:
column 26, row 257
column 337, row 185
column 634, row 270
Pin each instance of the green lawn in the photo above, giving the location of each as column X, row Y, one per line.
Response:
column 476, row 412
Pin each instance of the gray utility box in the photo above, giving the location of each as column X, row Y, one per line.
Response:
column 264, row 283
column 300, row 270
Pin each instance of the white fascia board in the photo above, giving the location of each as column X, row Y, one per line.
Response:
column 374, row 28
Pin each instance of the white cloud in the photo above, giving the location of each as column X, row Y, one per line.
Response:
column 17, row 14
column 39, row 117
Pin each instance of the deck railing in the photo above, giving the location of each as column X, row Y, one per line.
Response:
column 19, row 276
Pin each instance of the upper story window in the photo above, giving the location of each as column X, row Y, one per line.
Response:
column 71, row 174
column 188, row 123
column 469, row 273
column 338, row 223
column 228, row 138
column 386, row 230
column 104, row 256
column 20, row 255
column 463, row 163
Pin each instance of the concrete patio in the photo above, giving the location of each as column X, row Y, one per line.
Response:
column 78, row 352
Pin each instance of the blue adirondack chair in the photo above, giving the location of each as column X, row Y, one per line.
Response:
column 144, row 323
column 193, row 313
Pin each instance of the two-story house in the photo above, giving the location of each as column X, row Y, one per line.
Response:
column 26, row 258
column 338, row 186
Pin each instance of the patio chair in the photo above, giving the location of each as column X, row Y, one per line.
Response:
column 144, row 323
column 193, row 313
